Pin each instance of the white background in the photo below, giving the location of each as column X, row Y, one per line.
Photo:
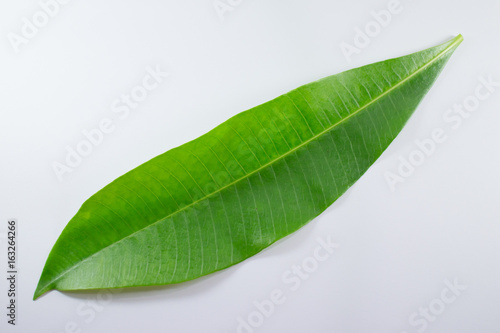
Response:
column 397, row 248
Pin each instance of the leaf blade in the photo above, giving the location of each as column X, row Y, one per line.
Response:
column 252, row 180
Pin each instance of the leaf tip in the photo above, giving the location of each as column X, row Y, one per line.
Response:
column 38, row 292
column 41, row 289
column 455, row 42
column 451, row 45
column 459, row 39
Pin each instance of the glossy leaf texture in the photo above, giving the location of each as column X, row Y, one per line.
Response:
column 259, row 176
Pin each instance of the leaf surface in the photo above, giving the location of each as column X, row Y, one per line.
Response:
column 259, row 176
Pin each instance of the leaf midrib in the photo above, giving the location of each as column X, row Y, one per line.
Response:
column 457, row 40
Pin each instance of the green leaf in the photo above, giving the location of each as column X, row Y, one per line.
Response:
column 259, row 176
